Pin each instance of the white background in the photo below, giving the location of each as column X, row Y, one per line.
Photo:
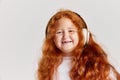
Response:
column 22, row 27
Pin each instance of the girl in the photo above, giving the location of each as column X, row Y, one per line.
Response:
column 71, row 53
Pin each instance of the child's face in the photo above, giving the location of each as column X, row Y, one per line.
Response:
column 66, row 36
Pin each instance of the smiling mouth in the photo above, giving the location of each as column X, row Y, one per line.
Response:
column 65, row 42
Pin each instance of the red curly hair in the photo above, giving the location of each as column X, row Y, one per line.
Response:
column 89, row 61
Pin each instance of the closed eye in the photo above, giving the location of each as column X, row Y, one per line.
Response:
column 72, row 31
column 59, row 32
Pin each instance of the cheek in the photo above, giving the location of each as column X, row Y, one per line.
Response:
column 57, row 40
column 76, row 37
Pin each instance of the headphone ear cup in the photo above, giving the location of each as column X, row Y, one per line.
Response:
column 86, row 35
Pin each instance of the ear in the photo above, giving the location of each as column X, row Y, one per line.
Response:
column 86, row 35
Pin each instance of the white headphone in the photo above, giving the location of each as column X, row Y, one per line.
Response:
column 86, row 35
column 85, row 31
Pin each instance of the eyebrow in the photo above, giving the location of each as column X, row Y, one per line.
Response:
column 68, row 29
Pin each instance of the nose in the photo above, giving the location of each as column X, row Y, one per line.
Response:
column 65, row 34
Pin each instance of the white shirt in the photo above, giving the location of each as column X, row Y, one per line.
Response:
column 63, row 70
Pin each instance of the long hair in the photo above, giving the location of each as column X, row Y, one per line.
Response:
column 89, row 60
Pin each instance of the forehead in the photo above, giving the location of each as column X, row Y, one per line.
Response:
column 65, row 23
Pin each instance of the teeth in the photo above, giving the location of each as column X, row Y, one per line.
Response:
column 66, row 42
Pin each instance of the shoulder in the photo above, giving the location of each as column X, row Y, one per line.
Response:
column 112, row 74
